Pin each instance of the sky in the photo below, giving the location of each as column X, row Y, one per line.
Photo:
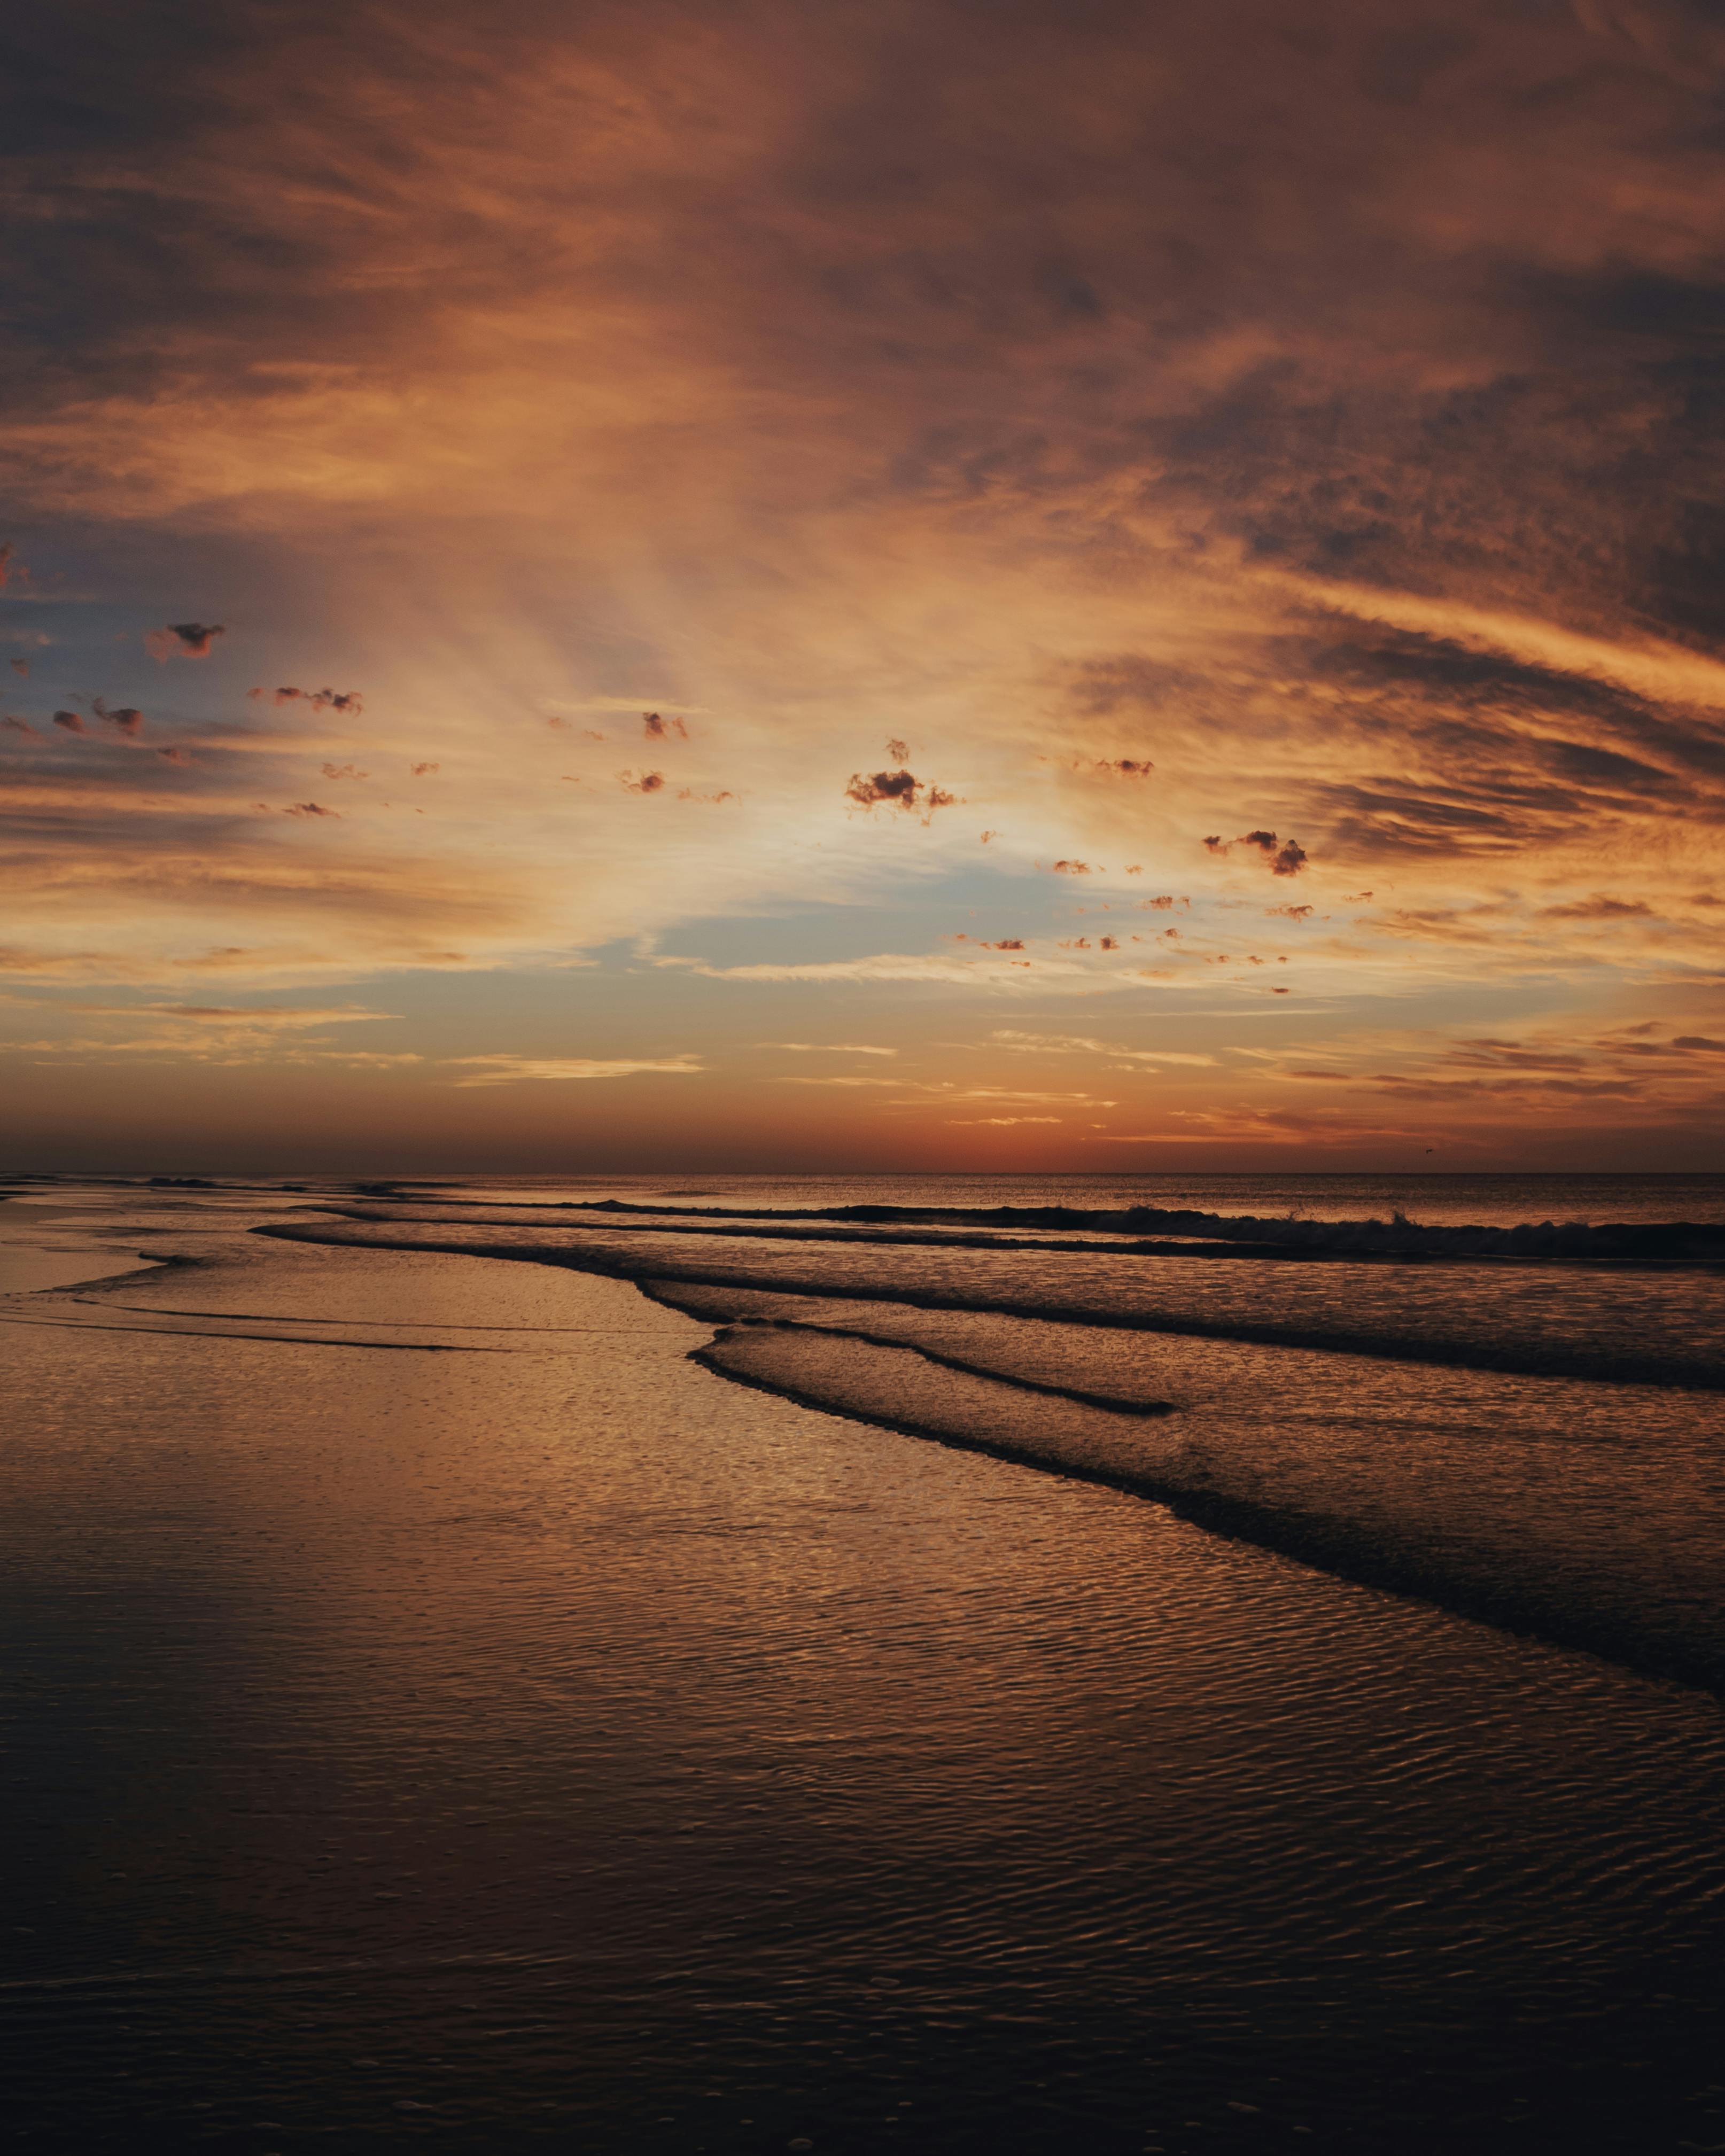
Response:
column 1044, row 585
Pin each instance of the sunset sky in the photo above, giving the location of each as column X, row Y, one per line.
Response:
column 911, row 584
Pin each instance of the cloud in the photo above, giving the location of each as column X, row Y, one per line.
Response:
column 348, row 701
column 71, row 720
column 656, row 728
column 1599, row 907
column 1070, row 868
column 649, row 781
column 1067, row 1043
column 424, row 770
column 897, row 752
column 10, row 565
column 829, row 1048
column 1004, row 1122
column 799, row 1080
column 343, row 771
column 1699, row 1041
column 126, row 720
column 222, row 1034
column 309, row 809
column 21, row 666
column 17, row 726
column 513, row 1069
column 898, row 789
column 183, row 639
column 1286, row 860
column 1126, row 766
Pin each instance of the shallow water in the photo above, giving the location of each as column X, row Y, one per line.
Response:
column 441, row 1710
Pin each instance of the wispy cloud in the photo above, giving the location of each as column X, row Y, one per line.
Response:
column 828, row 1048
column 513, row 1069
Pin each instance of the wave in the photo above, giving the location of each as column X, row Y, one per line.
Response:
column 1682, row 1242
column 1485, row 1330
column 1489, row 1476
column 1636, row 1583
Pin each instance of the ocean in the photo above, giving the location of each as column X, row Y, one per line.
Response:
column 733, row 1663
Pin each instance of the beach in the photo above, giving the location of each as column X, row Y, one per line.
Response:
column 441, row 1709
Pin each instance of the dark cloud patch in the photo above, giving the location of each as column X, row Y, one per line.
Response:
column 649, row 781
column 17, row 726
column 1070, row 868
column 869, row 791
column 1446, row 694
column 424, row 770
column 71, row 721
column 1599, row 907
column 656, row 728
column 347, row 700
column 1373, row 823
column 1699, row 1041
column 309, row 809
column 1284, row 857
column 183, row 639
column 897, row 752
column 898, row 789
column 127, row 720
column 1375, row 656
column 20, row 666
